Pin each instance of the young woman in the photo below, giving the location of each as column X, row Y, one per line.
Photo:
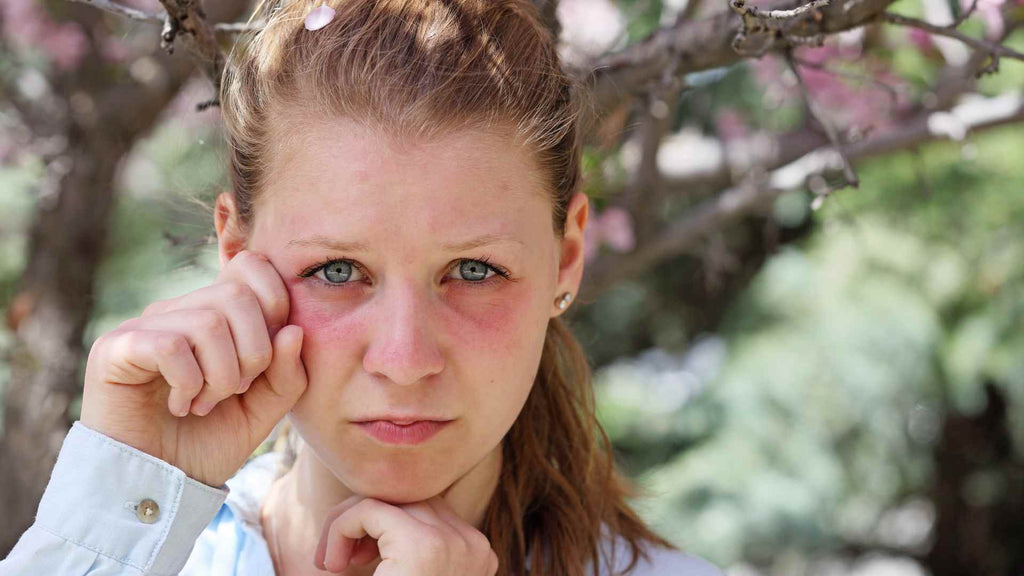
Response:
column 404, row 231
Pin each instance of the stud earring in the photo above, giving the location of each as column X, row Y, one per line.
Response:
column 563, row 302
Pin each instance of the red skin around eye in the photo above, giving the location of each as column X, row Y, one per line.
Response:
column 482, row 321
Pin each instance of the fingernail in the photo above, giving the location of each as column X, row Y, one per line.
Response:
column 203, row 408
column 244, row 385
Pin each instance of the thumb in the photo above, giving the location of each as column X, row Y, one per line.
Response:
column 277, row 389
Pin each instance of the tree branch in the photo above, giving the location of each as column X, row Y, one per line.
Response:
column 139, row 15
column 812, row 107
column 756, row 21
column 685, row 234
column 705, row 44
column 995, row 51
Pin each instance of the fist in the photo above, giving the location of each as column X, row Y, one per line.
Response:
column 421, row 539
column 199, row 381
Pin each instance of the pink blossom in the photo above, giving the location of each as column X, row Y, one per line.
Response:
column 116, row 49
column 730, row 125
column 991, row 13
column 921, row 39
column 839, row 91
column 26, row 23
column 613, row 227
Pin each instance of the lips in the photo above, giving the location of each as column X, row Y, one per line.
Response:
column 395, row 433
column 402, row 419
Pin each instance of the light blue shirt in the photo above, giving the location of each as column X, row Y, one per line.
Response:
column 110, row 509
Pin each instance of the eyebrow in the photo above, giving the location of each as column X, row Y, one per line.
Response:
column 342, row 246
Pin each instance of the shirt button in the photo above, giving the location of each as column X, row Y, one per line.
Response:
column 148, row 511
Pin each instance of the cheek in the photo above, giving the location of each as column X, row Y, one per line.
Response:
column 488, row 321
column 493, row 322
column 327, row 322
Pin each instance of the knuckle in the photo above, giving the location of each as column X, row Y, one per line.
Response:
column 248, row 257
column 152, row 308
column 192, row 386
column 370, row 503
column 127, row 324
column 478, row 541
column 168, row 345
column 99, row 348
column 237, row 291
column 209, row 321
column 277, row 301
column 433, row 544
column 104, row 340
column 257, row 361
column 122, row 341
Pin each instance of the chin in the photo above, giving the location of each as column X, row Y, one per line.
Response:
column 397, row 478
column 398, row 492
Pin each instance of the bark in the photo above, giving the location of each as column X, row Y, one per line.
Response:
column 978, row 492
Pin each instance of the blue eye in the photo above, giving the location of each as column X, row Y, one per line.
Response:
column 473, row 268
column 338, row 272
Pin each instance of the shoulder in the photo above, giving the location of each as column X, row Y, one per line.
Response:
column 666, row 561
column 660, row 562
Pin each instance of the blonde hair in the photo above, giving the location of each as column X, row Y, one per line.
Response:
column 421, row 69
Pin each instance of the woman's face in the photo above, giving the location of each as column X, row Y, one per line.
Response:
column 402, row 319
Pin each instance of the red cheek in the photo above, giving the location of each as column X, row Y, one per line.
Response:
column 326, row 321
column 490, row 321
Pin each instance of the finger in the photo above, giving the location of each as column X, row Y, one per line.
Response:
column 274, row 392
column 443, row 510
column 365, row 551
column 210, row 338
column 475, row 540
column 256, row 271
column 383, row 522
column 239, row 305
column 337, row 510
column 425, row 513
column 140, row 356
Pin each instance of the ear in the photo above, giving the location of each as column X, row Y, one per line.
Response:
column 570, row 266
column 230, row 236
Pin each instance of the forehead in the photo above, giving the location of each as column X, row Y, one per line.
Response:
column 337, row 169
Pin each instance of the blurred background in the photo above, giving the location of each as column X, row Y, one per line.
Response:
column 812, row 379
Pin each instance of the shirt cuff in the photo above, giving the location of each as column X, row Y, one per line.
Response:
column 125, row 504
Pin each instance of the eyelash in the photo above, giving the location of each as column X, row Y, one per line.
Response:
column 499, row 272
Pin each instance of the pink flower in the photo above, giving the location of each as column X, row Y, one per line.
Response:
column 730, row 125
column 920, row 38
column 28, row 24
column 613, row 227
column 991, row 13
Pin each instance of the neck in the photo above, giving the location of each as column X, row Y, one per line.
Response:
column 298, row 503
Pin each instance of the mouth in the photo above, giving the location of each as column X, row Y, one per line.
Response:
column 413, row 432
column 402, row 419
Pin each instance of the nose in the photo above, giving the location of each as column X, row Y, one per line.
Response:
column 403, row 344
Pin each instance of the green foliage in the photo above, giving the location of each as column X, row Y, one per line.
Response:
column 642, row 17
column 844, row 356
column 161, row 230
